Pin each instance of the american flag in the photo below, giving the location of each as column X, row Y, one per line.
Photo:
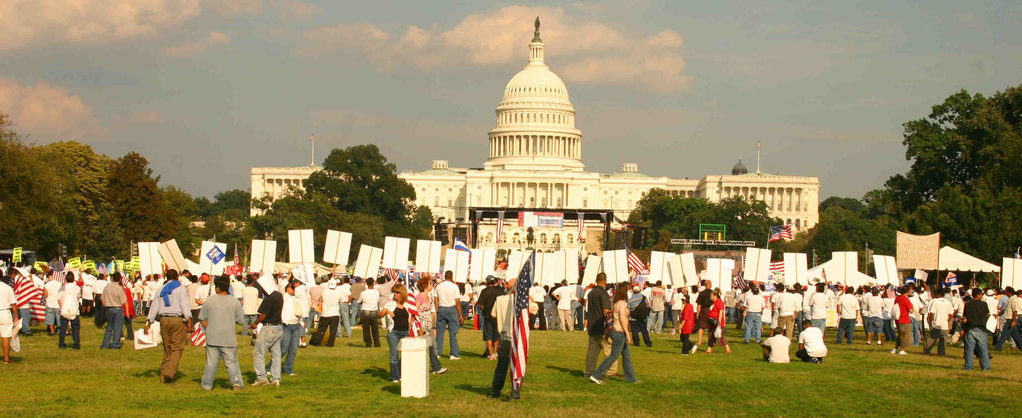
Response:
column 415, row 327
column 634, row 262
column 581, row 224
column 500, row 225
column 198, row 336
column 520, row 330
column 780, row 232
column 740, row 283
column 777, row 267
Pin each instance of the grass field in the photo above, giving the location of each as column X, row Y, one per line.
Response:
column 351, row 380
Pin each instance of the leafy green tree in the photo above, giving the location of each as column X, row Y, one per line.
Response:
column 318, row 213
column 141, row 209
column 30, row 195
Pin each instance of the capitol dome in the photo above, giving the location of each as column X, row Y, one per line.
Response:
column 535, row 126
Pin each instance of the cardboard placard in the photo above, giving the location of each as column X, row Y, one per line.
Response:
column 482, row 263
column 688, row 268
column 550, row 268
column 571, row 263
column 306, row 272
column 427, row 256
column 757, row 264
column 171, row 255
column 718, row 272
column 74, row 263
column 796, row 268
column 263, row 256
column 150, row 261
column 395, row 253
column 368, row 262
column 338, row 247
column 665, row 267
column 515, row 261
column 594, row 266
column 1011, row 272
column 886, row 269
column 16, row 255
column 456, row 262
column 615, row 264
column 299, row 246
column 843, row 265
column 212, row 258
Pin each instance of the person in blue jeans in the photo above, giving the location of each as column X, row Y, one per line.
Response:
column 754, row 304
column 848, row 310
column 292, row 327
column 395, row 309
column 976, row 314
column 448, row 316
column 114, row 300
column 619, row 339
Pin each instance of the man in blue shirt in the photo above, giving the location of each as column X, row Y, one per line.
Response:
column 171, row 309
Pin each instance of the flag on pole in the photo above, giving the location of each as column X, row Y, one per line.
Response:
column 634, row 262
column 460, row 246
column 500, row 225
column 581, row 224
column 520, row 330
column 780, row 232
column 740, row 282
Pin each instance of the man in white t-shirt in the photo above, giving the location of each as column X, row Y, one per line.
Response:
column 330, row 317
column 369, row 300
column 249, row 304
column 448, row 315
column 939, row 314
column 564, row 295
column 811, row 348
column 872, row 316
column 536, row 296
column 789, row 304
column 344, row 306
column 70, row 299
column 775, row 348
column 818, row 307
column 87, row 296
column 754, row 305
column 848, row 311
column 50, row 291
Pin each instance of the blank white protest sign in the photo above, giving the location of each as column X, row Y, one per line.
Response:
column 338, row 247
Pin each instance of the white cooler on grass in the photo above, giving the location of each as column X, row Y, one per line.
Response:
column 414, row 367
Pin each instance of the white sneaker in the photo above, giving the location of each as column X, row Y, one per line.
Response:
column 694, row 349
column 894, row 351
column 902, row 353
column 595, row 380
column 455, row 358
column 441, row 371
column 867, row 342
column 880, row 343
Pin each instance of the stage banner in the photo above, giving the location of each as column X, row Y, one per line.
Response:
column 540, row 219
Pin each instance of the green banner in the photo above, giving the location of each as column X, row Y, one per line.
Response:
column 17, row 255
column 74, row 263
column 89, row 265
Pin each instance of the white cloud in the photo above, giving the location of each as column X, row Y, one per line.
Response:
column 584, row 50
column 195, row 48
column 297, row 10
column 28, row 22
column 45, row 110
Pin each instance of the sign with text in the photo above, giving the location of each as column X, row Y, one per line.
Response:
column 918, row 251
column 540, row 219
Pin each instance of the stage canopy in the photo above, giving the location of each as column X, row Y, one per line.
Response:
column 955, row 260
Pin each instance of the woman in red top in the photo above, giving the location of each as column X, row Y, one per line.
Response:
column 904, row 322
column 716, row 315
column 686, row 325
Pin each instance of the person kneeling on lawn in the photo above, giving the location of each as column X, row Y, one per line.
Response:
column 775, row 348
column 810, row 344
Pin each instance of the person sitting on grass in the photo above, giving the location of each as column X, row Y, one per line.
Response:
column 775, row 348
column 811, row 348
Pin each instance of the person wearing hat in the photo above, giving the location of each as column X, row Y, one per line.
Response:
column 171, row 309
column 330, row 317
column 639, row 308
column 269, row 337
column 290, row 317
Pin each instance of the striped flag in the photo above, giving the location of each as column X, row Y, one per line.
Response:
column 780, row 232
column 740, row 282
column 198, row 336
column 520, row 330
column 460, row 246
column 500, row 225
column 777, row 267
column 581, row 224
column 414, row 327
column 634, row 262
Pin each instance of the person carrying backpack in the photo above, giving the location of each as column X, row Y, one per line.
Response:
column 639, row 307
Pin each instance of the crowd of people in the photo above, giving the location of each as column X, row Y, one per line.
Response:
column 284, row 314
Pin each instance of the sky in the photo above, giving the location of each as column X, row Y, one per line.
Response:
column 207, row 89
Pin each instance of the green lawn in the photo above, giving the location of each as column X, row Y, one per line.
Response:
column 352, row 380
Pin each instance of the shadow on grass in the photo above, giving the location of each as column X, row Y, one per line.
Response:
column 573, row 372
column 482, row 390
column 394, row 388
column 378, row 372
column 148, row 373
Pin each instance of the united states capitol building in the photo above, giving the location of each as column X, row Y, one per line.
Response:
column 535, row 161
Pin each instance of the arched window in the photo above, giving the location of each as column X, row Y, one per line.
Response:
column 556, row 239
column 503, row 237
column 515, row 239
column 571, row 239
column 542, row 238
column 489, row 237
